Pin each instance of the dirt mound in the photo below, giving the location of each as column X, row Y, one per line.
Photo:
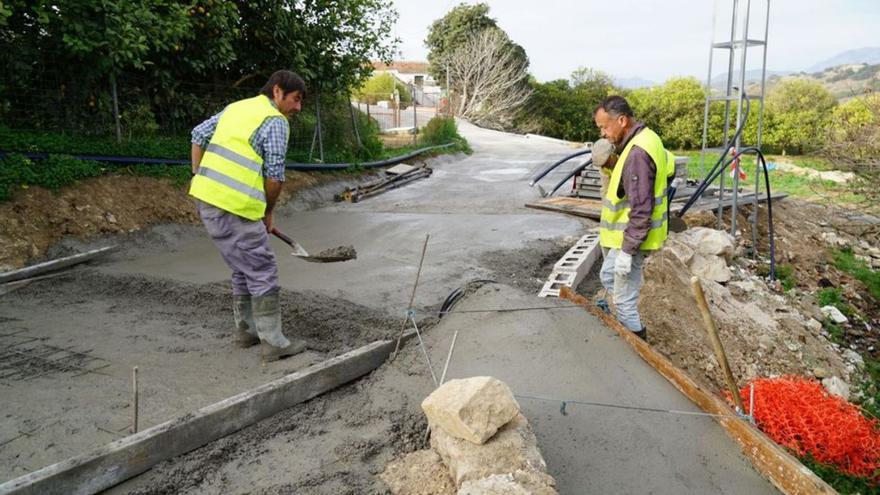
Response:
column 767, row 330
column 36, row 218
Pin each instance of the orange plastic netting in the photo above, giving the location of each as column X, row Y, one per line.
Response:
column 801, row 415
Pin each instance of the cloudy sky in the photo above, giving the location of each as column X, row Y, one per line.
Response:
column 656, row 39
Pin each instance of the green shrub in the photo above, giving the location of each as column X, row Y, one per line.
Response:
column 57, row 171
column 442, row 130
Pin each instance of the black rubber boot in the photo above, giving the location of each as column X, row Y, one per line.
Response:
column 642, row 334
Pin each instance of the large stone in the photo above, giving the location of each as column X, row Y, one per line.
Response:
column 418, row 473
column 710, row 241
column 512, row 449
column 709, row 267
column 836, row 386
column 833, row 314
column 518, row 483
column 471, row 409
column 680, row 250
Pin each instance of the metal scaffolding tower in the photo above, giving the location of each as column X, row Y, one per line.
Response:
column 737, row 48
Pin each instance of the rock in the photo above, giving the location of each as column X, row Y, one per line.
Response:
column 854, row 358
column 814, row 325
column 820, row 373
column 766, row 342
column 709, row 241
column 520, row 482
column 513, row 448
column 680, row 250
column 471, row 409
column 833, row 239
column 833, row 314
column 418, row 473
column 835, row 386
column 710, row 268
column 746, row 286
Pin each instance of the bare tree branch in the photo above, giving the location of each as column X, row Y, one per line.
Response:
column 488, row 78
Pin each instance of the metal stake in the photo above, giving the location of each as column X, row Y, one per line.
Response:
column 134, row 399
column 412, row 298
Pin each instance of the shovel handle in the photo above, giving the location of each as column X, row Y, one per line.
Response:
column 283, row 237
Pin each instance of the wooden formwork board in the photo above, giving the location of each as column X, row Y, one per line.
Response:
column 772, row 461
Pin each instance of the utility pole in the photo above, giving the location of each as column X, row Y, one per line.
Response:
column 448, row 93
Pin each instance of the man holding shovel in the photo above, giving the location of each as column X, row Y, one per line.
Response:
column 238, row 168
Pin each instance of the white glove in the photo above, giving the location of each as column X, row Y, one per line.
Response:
column 622, row 264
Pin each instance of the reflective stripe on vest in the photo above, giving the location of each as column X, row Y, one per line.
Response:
column 615, row 211
column 230, row 173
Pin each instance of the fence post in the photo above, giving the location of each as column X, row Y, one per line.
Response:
column 415, row 117
column 115, row 107
column 354, row 122
column 318, row 117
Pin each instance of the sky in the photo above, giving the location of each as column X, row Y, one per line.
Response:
column 656, row 39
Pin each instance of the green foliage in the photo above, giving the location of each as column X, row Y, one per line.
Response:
column 174, row 61
column 443, row 130
column 57, row 171
column 844, row 483
column 845, row 260
column 51, row 142
column 798, row 109
column 785, row 275
column 674, row 110
column 831, row 296
column 564, row 109
column 381, row 87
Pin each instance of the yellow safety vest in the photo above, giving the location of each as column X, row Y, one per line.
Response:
column 230, row 175
column 615, row 210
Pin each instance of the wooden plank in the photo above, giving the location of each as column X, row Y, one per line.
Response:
column 48, row 266
column 127, row 457
column 771, row 460
column 588, row 208
column 400, row 169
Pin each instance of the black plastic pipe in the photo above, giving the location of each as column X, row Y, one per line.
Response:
column 130, row 160
column 571, row 174
column 553, row 166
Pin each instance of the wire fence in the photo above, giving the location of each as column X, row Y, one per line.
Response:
column 139, row 106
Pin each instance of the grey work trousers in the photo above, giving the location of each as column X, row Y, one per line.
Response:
column 624, row 290
column 244, row 246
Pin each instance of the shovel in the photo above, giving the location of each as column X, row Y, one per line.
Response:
column 302, row 254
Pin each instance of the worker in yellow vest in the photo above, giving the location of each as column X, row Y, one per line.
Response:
column 634, row 208
column 238, row 158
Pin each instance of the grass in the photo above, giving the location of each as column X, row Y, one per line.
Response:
column 846, row 261
column 794, row 185
column 843, row 483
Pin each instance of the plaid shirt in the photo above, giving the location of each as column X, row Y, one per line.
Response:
column 269, row 141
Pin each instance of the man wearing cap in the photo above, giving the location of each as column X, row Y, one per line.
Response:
column 238, row 167
column 634, row 207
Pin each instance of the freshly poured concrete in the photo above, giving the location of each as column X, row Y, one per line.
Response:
column 469, row 207
column 567, row 354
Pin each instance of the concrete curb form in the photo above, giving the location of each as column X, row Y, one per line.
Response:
column 781, row 468
column 40, row 268
column 122, row 459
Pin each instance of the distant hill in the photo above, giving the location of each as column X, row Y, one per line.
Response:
column 843, row 81
column 867, row 55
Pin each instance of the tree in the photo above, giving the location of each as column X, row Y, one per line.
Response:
column 854, row 145
column 674, row 110
column 449, row 32
column 489, row 79
column 799, row 109
column 564, row 108
column 381, row 87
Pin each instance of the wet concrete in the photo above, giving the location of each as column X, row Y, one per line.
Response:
column 473, row 210
column 567, row 354
column 469, row 207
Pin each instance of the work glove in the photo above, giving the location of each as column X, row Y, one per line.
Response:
column 622, row 264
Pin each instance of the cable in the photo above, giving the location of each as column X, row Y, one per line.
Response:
column 564, row 403
column 712, row 172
